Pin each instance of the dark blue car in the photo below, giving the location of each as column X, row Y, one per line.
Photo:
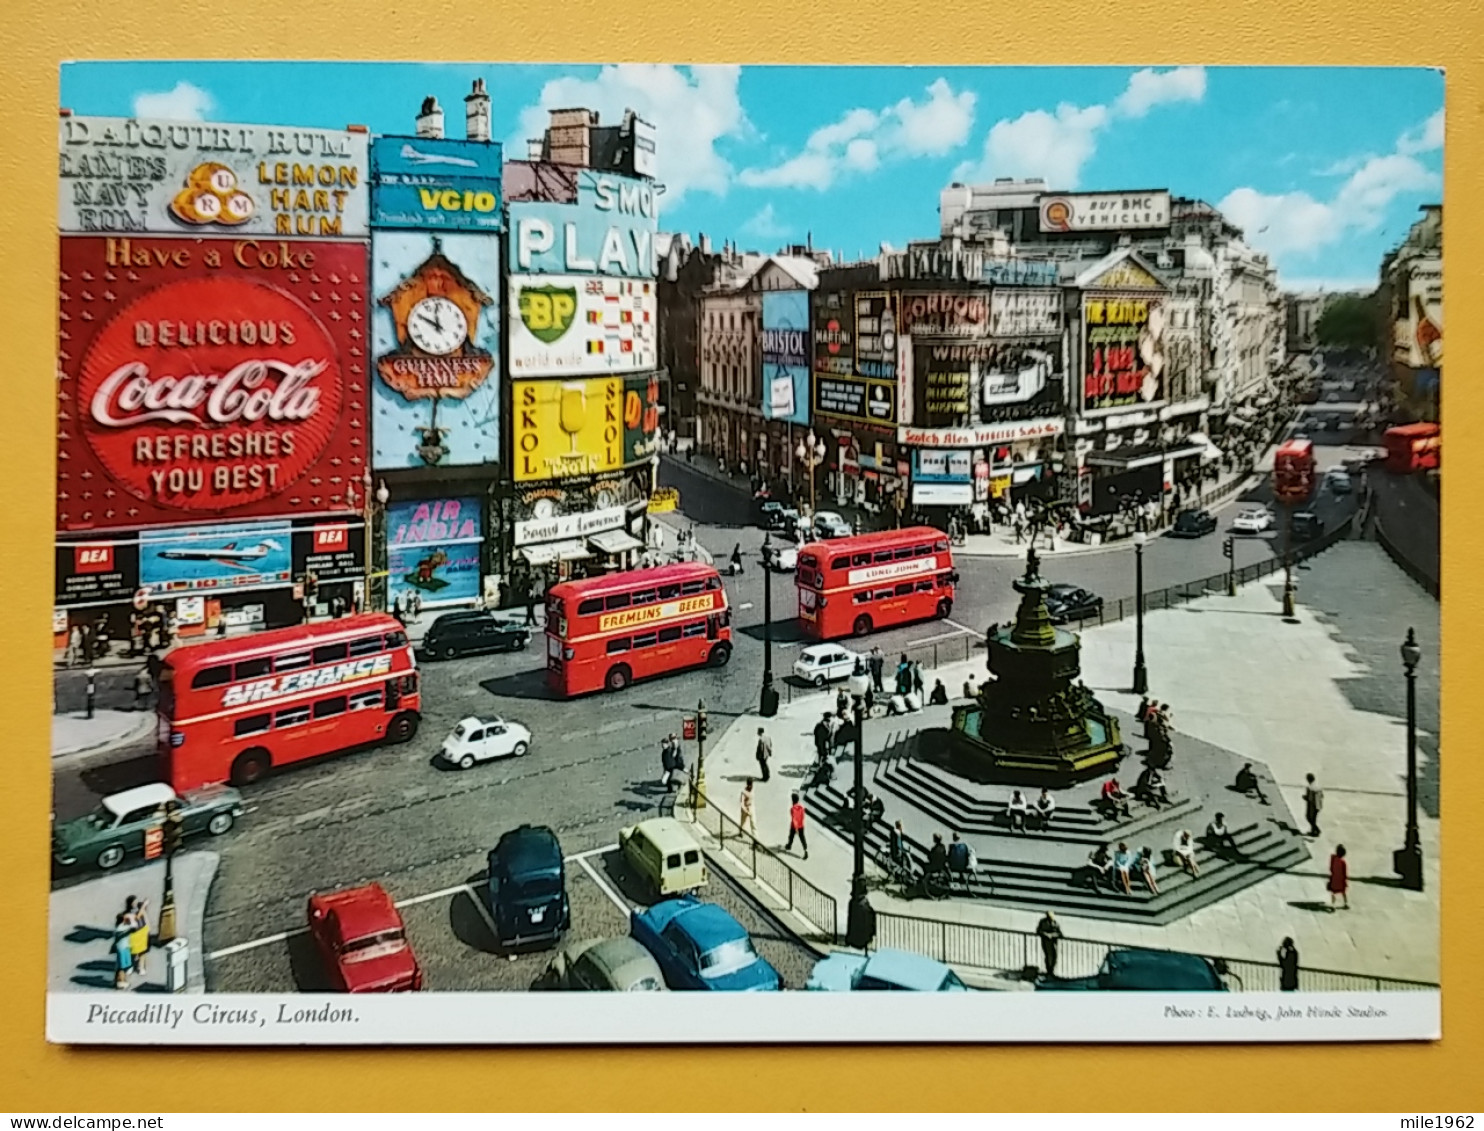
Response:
column 1139, row 969
column 700, row 947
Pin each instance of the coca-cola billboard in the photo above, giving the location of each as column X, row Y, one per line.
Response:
column 208, row 378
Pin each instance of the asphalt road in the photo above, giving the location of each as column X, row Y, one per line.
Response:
column 396, row 816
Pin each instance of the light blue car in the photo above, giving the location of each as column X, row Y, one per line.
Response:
column 883, row 970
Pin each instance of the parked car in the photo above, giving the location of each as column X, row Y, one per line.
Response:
column 1306, row 526
column 782, row 559
column 829, row 524
column 1331, row 398
column 528, row 887
column 124, row 822
column 362, row 941
column 1138, row 969
column 820, row 664
column 470, row 633
column 1066, row 603
column 883, row 970
column 480, row 740
column 1339, row 483
column 1253, row 520
column 620, row 964
column 1193, row 524
column 770, row 514
column 664, row 855
column 699, row 946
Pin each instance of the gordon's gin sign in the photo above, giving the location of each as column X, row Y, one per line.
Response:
column 226, row 388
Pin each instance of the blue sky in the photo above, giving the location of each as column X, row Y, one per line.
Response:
column 1323, row 167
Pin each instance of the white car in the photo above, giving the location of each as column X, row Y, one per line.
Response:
column 480, row 740
column 820, row 664
column 1254, row 520
column 829, row 524
column 783, row 559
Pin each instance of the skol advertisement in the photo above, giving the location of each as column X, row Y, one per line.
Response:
column 208, row 378
column 432, row 549
column 564, row 325
column 786, row 356
column 1123, row 350
column 96, row 573
column 215, row 559
column 944, row 314
column 436, row 343
column 584, row 427
column 125, row 175
column 609, row 231
column 435, row 183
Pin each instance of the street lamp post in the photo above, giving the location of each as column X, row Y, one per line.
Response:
column 1289, row 585
column 373, row 505
column 769, row 706
column 1406, row 861
column 810, row 453
column 1141, row 674
column 860, row 922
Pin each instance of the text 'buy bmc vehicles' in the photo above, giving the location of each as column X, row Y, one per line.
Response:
column 855, row 585
column 234, row 709
column 606, row 632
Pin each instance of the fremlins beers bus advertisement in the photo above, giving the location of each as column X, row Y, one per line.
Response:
column 208, row 378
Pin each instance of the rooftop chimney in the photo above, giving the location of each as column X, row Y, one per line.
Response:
column 534, row 148
column 430, row 120
column 477, row 113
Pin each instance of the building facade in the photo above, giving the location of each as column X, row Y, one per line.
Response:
column 1411, row 296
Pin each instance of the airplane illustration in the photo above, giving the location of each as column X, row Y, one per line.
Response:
column 419, row 158
column 228, row 555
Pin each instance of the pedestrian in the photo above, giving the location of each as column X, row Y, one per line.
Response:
column 1045, row 809
column 870, row 701
column 138, row 920
column 1123, row 863
column 1185, row 853
column 842, row 702
column 939, row 696
column 877, row 663
column 1017, row 811
column 1313, row 803
column 123, row 954
column 74, row 647
column 917, row 679
column 1339, row 878
column 904, row 675
column 1049, row 932
column 1288, row 966
column 796, row 826
column 764, row 754
column 142, row 688
column 745, row 807
column 1145, row 865
column 667, row 760
column 824, row 734
column 736, row 560
column 399, row 609
column 1220, row 838
column 1248, row 784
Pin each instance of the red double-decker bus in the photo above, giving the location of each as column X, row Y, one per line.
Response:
column 1413, row 447
column 855, row 585
column 234, row 709
column 606, row 632
column 1293, row 471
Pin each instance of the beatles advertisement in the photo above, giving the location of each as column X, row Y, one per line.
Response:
column 786, row 356
column 436, row 183
column 610, row 230
column 1123, row 351
column 435, row 395
column 562, row 325
column 216, row 559
column 432, row 548
column 130, row 176
column 96, row 573
column 208, row 378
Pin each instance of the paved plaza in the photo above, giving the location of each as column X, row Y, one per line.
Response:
column 1323, row 694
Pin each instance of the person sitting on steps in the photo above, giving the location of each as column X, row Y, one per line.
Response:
column 1248, row 785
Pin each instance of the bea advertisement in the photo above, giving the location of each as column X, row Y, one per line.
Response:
column 208, row 379
column 786, row 356
column 433, row 550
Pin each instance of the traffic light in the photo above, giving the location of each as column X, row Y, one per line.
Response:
column 702, row 730
column 174, row 830
column 1226, row 547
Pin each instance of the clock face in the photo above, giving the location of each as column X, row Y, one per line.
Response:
column 437, row 326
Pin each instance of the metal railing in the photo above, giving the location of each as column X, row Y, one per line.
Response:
column 765, row 866
column 1012, row 952
column 1417, row 573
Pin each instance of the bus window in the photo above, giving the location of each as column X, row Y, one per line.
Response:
column 669, row 592
column 617, row 601
column 921, row 551
column 697, row 629
column 645, row 641
column 883, row 594
column 713, row 627
column 862, row 598
column 860, row 559
column 925, row 586
column 904, row 553
column 881, row 556
column 940, row 546
column 292, row 662
column 327, row 707
column 840, row 563
column 329, row 653
column 669, row 635
column 409, row 684
column 396, row 639
column 589, row 607
column 619, row 645
column 252, row 669
column 212, row 677
column 253, row 724
column 691, row 588
column 393, row 694
column 904, row 588
column 291, row 717
column 644, row 597
column 365, row 700
column 365, row 646
column 713, row 583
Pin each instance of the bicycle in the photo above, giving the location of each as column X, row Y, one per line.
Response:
column 898, row 869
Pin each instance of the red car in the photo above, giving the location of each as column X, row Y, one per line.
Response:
column 360, row 938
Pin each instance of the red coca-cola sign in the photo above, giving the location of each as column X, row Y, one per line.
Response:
column 204, row 378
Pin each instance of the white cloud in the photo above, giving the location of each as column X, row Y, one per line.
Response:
column 183, row 103
column 1055, row 145
column 1425, row 138
column 765, row 225
column 692, row 108
column 861, row 140
column 1148, row 88
column 1331, row 284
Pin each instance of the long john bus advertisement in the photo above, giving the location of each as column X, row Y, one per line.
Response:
column 208, row 378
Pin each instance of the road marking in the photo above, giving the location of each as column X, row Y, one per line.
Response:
column 964, row 627
column 616, row 899
column 580, row 858
column 744, row 606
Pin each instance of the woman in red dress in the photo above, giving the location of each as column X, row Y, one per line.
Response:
column 1339, row 878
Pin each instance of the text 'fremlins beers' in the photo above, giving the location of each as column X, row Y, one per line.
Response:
column 218, row 379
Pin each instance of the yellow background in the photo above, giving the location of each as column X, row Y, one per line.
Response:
column 35, row 1077
column 536, row 464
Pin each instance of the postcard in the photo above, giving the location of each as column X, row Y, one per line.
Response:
column 538, row 545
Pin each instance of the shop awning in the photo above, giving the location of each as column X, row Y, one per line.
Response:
column 1127, row 459
column 1209, row 451
column 549, row 552
column 615, row 541
column 1024, row 473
